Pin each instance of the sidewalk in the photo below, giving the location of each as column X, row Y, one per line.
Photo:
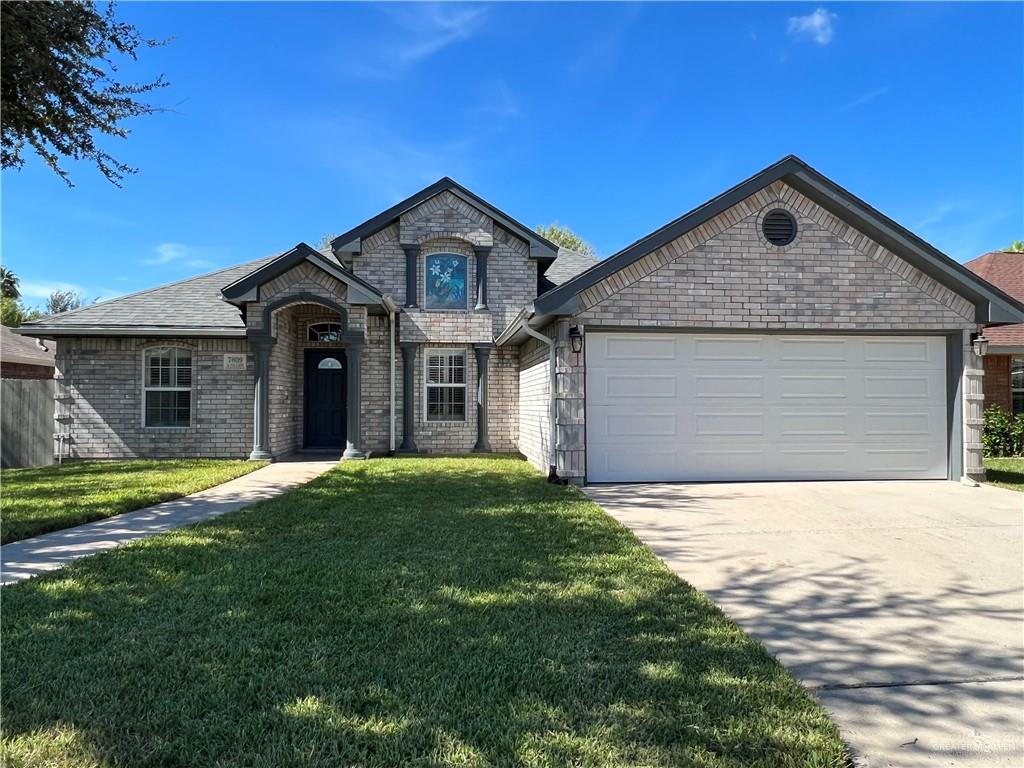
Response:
column 24, row 559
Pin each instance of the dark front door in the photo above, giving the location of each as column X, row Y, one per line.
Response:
column 325, row 398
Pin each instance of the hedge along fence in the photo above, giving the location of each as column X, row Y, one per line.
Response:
column 1004, row 433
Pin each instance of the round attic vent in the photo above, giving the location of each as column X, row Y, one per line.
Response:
column 779, row 228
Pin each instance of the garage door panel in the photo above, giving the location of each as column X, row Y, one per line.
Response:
column 878, row 412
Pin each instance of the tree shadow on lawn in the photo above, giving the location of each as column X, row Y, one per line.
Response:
column 386, row 614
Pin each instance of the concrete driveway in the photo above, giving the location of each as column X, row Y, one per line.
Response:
column 899, row 604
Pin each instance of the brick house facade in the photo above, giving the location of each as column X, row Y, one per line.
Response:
column 372, row 347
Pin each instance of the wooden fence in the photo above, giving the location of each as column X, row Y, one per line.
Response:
column 26, row 426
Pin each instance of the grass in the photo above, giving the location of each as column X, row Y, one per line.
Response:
column 36, row 501
column 393, row 612
column 1006, row 473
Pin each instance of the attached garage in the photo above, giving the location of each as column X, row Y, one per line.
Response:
column 783, row 330
column 717, row 406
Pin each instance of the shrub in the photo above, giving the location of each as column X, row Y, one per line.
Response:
column 1004, row 433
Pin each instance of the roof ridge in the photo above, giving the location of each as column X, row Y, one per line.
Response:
column 143, row 292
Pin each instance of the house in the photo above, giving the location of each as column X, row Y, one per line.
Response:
column 26, row 400
column 783, row 330
column 24, row 358
column 1004, row 363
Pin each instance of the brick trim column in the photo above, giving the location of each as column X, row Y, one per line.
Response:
column 261, row 399
column 412, row 254
column 483, row 353
column 353, row 362
column 481, row 252
column 408, row 396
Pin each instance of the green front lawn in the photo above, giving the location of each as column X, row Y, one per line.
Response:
column 35, row 501
column 431, row 612
column 1006, row 473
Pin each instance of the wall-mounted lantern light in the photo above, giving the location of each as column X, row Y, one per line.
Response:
column 576, row 339
column 980, row 344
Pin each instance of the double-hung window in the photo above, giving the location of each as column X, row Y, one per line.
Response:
column 1017, row 384
column 446, row 385
column 167, row 387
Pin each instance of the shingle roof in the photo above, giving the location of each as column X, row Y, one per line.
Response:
column 1005, row 270
column 18, row 349
column 568, row 265
column 194, row 303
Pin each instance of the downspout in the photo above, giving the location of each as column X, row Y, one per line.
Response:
column 552, row 391
column 392, row 309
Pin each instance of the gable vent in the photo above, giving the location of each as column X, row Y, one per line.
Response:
column 779, row 228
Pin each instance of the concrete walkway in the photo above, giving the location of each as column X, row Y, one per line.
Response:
column 24, row 559
column 900, row 605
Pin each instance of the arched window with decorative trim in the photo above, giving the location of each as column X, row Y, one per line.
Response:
column 167, row 387
column 445, row 284
column 323, row 332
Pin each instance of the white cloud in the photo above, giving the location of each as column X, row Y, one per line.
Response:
column 168, row 253
column 818, row 26
column 864, row 98
column 42, row 290
column 420, row 31
column 937, row 216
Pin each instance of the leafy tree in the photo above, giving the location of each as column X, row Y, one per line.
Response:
column 13, row 312
column 64, row 301
column 9, row 283
column 325, row 242
column 58, row 86
column 1017, row 246
column 566, row 238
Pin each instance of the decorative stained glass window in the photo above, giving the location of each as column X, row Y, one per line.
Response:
column 323, row 332
column 445, row 281
column 167, row 385
column 446, row 386
column 329, row 364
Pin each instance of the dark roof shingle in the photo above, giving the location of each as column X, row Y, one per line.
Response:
column 195, row 302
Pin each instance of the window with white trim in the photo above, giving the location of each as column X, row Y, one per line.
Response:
column 1017, row 384
column 446, row 385
column 167, row 387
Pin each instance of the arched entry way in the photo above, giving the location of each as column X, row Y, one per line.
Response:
column 307, row 387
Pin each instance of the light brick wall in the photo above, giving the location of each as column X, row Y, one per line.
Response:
column 725, row 275
column 446, row 224
column 102, row 380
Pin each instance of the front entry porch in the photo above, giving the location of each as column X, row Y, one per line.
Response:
column 307, row 378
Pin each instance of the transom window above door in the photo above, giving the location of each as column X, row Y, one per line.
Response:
column 323, row 332
column 445, row 283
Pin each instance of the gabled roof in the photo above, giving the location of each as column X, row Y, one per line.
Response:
column 992, row 305
column 1005, row 270
column 191, row 307
column 246, row 287
column 348, row 242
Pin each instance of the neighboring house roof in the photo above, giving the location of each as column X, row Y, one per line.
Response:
column 18, row 349
column 565, row 267
column 1005, row 270
column 188, row 307
column 992, row 304
column 246, row 287
column 348, row 242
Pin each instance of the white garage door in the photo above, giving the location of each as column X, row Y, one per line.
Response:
column 665, row 406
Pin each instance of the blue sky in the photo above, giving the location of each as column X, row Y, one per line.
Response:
column 289, row 121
